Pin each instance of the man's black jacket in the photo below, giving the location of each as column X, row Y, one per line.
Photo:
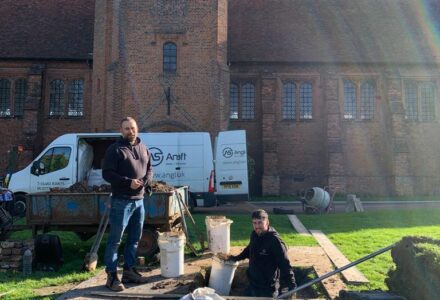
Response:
column 268, row 261
column 124, row 162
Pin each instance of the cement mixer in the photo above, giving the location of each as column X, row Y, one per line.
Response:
column 316, row 200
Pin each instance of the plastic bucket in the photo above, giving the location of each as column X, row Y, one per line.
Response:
column 222, row 274
column 318, row 198
column 218, row 230
column 171, row 245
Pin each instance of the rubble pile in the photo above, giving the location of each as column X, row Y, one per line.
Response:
column 11, row 254
column 83, row 187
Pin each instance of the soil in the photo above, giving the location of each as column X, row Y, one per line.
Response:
column 82, row 187
column 310, row 259
column 51, row 291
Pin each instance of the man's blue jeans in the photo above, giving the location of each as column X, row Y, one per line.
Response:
column 125, row 215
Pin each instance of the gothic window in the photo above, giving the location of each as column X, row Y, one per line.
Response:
column 427, row 102
column 66, row 98
column 289, row 101
column 349, row 100
column 5, row 95
column 420, row 98
column 169, row 57
column 76, row 98
column 297, row 94
column 56, row 98
column 368, row 94
column 233, row 101
column 20, row 96
column 248, row 101
column 305, row 100
column 359, row 99
column 241, row 101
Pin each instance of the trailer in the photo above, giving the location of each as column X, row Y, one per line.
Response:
column 82, row 212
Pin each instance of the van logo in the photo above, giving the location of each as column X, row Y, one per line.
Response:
column 156, row 156
column 228, row 152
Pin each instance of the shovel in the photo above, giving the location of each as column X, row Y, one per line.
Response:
column 91, row 258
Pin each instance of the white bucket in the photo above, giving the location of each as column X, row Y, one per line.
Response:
column 171, row 246
column 218, row 230
column 222, row 274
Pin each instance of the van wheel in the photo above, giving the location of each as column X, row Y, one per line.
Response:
column 19, row 207
column 192, row 202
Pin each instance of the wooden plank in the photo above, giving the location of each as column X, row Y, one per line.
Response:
column 351, row 275
column 299, row 227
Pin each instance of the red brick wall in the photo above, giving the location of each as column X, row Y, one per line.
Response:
column 35, row 130
column 131, row 74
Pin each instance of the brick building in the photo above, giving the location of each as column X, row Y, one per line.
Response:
column 343, row 93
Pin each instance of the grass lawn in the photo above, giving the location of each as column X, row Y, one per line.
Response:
column 340, row 197
column 22, row 287
column 355, row 234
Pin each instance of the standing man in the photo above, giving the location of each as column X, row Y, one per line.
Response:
column 269, row 266
column 127, row 166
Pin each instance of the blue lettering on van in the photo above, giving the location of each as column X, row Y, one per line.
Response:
column 156, row 156
column 169, row 175
column 229, row 152
column 181, row 156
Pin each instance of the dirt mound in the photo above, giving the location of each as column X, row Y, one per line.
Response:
column 82, row 187
column 417, row 272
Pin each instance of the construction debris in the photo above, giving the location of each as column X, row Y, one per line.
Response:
column 353, row 204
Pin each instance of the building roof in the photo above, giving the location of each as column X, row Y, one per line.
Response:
column 46, row 29
column 342, row 31
column 323, row 31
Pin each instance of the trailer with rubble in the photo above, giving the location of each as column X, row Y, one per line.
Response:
column 81, row 213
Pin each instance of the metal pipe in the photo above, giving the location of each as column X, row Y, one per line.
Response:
column 289, row 293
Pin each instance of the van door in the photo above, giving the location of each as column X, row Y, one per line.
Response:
column 53, row 169
column 231, row 167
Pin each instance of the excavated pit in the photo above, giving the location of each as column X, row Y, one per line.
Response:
column 240, row 281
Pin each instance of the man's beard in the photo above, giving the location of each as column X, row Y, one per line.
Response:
column 130, row 138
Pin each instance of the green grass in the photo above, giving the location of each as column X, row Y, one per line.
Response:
column 355, row 234
column 23, row 287
column 359, row 234
column 339, row 197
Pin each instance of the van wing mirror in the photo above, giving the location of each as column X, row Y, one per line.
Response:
column 35, row 169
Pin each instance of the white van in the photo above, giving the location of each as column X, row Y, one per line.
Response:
column 231, row 166
column 181, row 158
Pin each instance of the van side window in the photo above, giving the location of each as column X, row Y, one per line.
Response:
column 55, row 159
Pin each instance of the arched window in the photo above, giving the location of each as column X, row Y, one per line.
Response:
column 5, row 98
column 349, row 100
column 305, row 101
column 233, row 101
column 169, row 57
column 289, row 101
column 368, row 95
column 76, row 98
column 56, row 98
column 427, row 102
column 248, row 102
column 20, row 96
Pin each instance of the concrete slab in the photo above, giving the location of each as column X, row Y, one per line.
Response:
column 299, row 227
column 351, row 275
